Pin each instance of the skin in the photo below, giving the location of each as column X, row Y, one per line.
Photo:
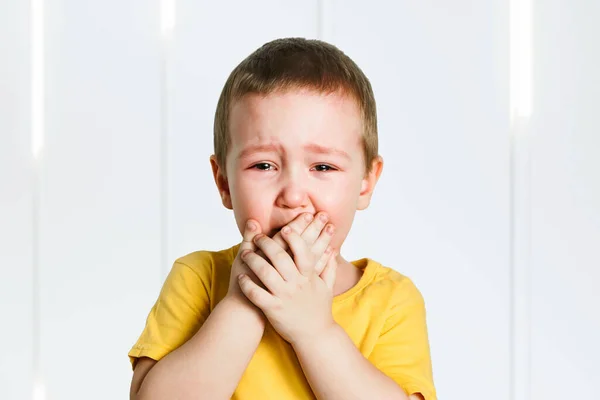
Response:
column 292, row 154
column 297, row 152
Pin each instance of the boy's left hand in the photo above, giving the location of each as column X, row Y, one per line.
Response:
column 298, row 300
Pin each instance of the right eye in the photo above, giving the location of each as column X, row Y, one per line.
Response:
column 263, row 166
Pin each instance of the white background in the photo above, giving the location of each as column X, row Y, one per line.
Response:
column 497, row 220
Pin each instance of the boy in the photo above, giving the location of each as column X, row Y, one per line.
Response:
column 283, row 315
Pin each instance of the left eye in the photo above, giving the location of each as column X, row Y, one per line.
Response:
column 323, row 168
column 263, row 166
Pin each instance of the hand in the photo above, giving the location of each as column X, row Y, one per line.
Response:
column 310, row 234
column 238, row 267
column 301, row 225
column 298, row 300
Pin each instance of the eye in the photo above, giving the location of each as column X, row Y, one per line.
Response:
column 324, row 168
column 263, row 166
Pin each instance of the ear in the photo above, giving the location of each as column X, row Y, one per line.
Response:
column 369, row 182
column 221, row 182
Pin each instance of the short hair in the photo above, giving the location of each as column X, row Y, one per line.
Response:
column 297, row 63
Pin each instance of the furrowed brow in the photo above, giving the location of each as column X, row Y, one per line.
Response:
column 261, row 148
column 315, row 148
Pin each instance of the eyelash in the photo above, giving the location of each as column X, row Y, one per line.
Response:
column 330, row 168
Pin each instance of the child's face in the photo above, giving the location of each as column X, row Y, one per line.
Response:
column 296, row 152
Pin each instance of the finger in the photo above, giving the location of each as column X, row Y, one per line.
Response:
column 251, row 229
column 320, row 265
column 257, row 295
column 303, row 257
column 312, row 232
column 278, row 238
column 298, row 225
column 321, row 244
column 277, row 256
column 263, row 271
column 329, row 273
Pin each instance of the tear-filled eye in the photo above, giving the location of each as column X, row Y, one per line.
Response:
column 324, row 168
column 263, row 166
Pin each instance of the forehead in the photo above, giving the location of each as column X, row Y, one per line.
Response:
column 295, row 117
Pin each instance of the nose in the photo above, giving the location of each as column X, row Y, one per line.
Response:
column 294, row 193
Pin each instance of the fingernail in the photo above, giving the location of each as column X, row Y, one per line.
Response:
column 323, row 217
column 258, row 237
column 251, row 225
column 245, row 253
column 329, row 229
column 308, row 217
column 242, row 276
column 286, row 230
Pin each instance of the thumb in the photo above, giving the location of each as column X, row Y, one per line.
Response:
column 251, row 229
column 329, row 272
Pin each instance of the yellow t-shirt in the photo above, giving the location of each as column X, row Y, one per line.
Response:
column 383, row 314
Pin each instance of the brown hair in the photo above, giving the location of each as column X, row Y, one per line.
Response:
column 297, row 63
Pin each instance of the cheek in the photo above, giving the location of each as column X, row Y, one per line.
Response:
column 341, row 205
column 250, row 203
column 340, row 195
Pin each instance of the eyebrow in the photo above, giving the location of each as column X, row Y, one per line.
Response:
column 261, row 148
column 313, row 148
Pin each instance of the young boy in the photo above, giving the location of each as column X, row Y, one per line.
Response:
column 283, row 315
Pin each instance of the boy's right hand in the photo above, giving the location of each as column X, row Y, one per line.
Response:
column 238, row 267
column 304, row 224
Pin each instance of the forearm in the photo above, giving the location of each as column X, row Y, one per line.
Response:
column 210, row 364
column 336, row 369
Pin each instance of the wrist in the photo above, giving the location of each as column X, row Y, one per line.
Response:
column 237, row 304
column 327, row 334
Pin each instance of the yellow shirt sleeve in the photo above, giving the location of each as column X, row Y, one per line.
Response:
column 182, row 307
column 402, row 350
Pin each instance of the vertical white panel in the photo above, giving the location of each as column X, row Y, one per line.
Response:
column 521, row 57
column 100, row 196
column 16, row 206
column 566, row 201
column 209, row 41
column 441, row 212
